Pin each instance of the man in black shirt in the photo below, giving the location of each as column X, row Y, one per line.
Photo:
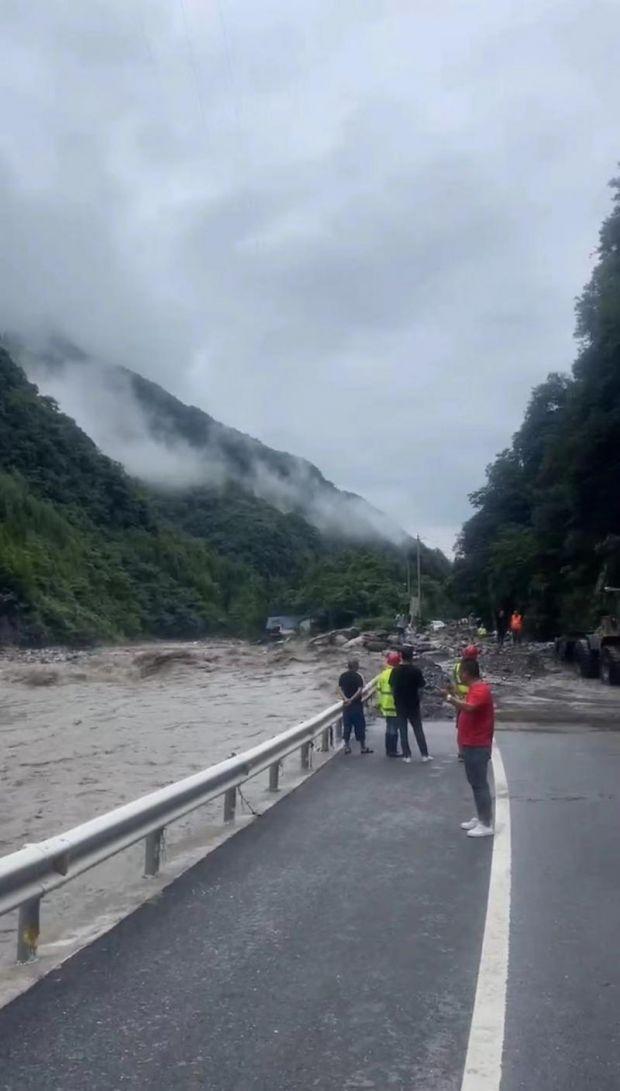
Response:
column 406, row 681
column 351, row 685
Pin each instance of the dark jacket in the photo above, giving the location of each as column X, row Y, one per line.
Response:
column 406, row 681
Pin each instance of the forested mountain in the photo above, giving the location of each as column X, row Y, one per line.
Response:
column 87, row 552
column 546, row 533
column 82, row 553
column 161, row 440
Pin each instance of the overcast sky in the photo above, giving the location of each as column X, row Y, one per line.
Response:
column 352, row 228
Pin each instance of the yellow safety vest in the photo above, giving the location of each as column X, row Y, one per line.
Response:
column 461, row 689
column 385, row 697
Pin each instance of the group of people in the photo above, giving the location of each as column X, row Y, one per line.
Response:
column 514, row 624
column 398, row 691
column 398, row 702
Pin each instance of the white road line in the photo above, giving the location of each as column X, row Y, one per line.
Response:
column 483, row 1063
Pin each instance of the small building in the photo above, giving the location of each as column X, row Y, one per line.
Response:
column 287, row 624
column 282, row 623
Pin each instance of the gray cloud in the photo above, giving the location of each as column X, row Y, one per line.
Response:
column 354, row 230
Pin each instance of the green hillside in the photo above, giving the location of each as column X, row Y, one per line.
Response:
column 87, row 553
column 83, row 555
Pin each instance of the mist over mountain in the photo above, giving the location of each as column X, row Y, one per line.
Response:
column 89, row 552
column 173, row 446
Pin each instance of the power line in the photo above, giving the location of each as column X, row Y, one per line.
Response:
column 193, row 63
column 229, row 64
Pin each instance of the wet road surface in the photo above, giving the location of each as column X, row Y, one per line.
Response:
column 562, row 1025
column 332, row 944
column 335, row 943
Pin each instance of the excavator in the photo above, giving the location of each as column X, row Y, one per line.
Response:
column 595, row 654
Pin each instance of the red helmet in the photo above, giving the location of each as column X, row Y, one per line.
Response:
column 392, row 659
column 470, row 652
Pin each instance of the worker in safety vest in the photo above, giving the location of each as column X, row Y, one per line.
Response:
column 516, row 626
column 386, row 706
column 460, row 687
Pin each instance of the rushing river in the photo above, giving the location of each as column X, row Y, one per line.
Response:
column 82, row 733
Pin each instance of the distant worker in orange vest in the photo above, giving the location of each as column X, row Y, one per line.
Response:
column 516, row 627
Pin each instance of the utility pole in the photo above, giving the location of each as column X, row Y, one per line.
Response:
column 419, row 580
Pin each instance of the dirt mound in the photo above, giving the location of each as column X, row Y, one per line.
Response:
column 433, row 705
column 515, row 663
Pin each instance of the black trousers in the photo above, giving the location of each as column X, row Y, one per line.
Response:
column 412, row 716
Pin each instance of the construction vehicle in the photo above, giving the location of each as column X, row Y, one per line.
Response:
column 595, row 654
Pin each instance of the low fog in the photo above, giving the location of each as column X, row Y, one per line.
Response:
column 101, row 399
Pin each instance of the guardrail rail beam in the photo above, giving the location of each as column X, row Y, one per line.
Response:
column 40, row 868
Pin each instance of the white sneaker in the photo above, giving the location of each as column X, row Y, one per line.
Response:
column 407, row 761
column 480, row 831
column 473, row 822
column 428, row 757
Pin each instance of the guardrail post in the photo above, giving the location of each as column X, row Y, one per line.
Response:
column 153, row 845
column 339, row 729
column 230, row 804
column 274, row 776
column 28, row 930
column 325, row 740
column 305, row 756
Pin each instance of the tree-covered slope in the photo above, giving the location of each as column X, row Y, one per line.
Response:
column 164, row 441
column 546, row 532
column 88, row 553
column 83, row 554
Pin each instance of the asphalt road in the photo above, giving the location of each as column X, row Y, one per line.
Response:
column 563, row 1009
column 335, row 943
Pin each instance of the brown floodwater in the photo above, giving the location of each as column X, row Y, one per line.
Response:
column 84, row 732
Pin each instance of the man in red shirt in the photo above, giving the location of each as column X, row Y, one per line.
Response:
column 476, row 724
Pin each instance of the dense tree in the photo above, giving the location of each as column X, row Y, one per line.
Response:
column 546, row 531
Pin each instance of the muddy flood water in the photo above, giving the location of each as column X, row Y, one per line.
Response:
column 82, row 733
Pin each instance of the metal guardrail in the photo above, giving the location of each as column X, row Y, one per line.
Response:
column 32, row 872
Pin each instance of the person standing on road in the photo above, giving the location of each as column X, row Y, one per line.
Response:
column 516, row 626
column 502, row 626
column 476, row 726
column 351, row 686
column 406, row 681
column 386, row 706
column 459, row 686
